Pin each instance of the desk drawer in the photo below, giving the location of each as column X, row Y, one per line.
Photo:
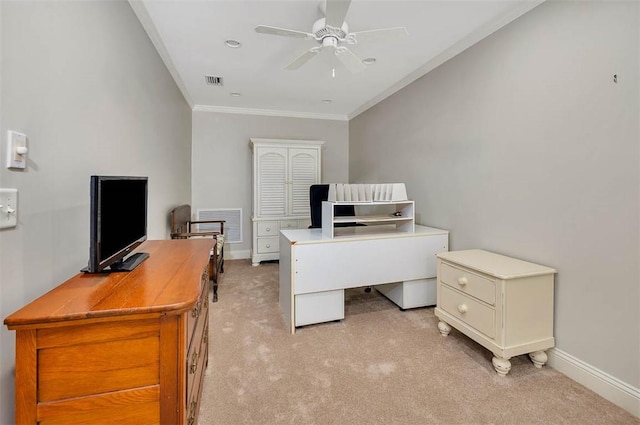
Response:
column 268, row 245
column 319, row 307
column 469, row 283
column 468, row 310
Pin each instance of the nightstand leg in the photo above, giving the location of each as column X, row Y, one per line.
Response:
column 444, row 328
column 502, row 366
column 539, row 358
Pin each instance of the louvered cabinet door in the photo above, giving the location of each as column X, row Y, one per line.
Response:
column 304, row 170
column 271, row 182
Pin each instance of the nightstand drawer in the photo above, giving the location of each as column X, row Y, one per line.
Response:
column 470, row 283
column 267, row 245
column 268, row 228
column 470, row 311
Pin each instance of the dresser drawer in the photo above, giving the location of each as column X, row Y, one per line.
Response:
column 267, row 245
column 197, row 353
column 193, row 392
column 268, row 228
column 196, row 310
column 468, row 310
column 116, row 355
column 195, row 371
column 469, row 283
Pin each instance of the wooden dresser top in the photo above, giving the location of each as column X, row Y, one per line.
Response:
column 169, row 281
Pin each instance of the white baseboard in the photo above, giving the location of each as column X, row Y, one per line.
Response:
column 609, row 387
column 237, row 255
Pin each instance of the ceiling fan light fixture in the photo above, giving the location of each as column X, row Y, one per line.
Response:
column 234, row 44
column 331, row 32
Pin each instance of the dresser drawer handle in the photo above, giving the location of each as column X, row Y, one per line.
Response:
column 462, row 308
column 192, row 413
column 268, row 245
column 462, row 281
column 194, row 363
column 268, row 229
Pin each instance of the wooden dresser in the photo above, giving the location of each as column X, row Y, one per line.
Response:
column 118, row 348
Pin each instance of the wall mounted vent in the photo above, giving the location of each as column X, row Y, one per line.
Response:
column 212, row 80
column 232, row 225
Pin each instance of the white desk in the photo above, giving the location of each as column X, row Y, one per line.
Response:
column 315, row 269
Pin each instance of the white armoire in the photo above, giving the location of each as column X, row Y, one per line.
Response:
column 283, row 170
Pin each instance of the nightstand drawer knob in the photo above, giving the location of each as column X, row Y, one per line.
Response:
column 462, row 308
column 268, row 245
column 462, row 281
column 268, row 229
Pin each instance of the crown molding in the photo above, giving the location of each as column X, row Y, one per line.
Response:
column 269, row 112
column 143, row 16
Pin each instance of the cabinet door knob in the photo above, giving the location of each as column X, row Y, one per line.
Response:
column 462, row 281
column 462, row 308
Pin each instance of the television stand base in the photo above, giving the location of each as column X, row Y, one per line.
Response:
column 127, row 265
column 130, row 263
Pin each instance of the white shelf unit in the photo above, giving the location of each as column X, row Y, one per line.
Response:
column 400, row 215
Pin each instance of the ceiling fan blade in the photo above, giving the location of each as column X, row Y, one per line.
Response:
column 349, row 60
column 377, row 35
column 263, row 29
column 335, row 12
column 303, row 58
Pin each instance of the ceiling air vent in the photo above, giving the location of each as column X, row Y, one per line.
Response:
column 213, row 80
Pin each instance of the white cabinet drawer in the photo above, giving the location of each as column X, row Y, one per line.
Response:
column 268, row 228
column 470, row 311
column 470, row 283
column 267, row 245
column 288, row 224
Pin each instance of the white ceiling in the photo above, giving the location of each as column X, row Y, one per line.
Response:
column 190, row 36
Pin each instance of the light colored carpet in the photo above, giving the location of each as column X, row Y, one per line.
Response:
column 379, row 365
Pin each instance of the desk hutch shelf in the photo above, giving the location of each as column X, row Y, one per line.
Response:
column 398, row 213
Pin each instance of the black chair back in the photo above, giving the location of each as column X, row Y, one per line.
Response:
column 319, row 193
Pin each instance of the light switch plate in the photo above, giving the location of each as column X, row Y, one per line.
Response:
column 16, row 142
column 8, row 208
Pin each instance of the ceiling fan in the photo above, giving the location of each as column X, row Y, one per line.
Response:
column 331, row 32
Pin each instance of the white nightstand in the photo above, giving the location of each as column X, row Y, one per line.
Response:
column 504, row 304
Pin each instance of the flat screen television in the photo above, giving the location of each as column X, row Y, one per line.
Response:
column 118, row 223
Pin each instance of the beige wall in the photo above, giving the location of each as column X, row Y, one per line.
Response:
column 86, row 85
column 524, row 145
column 221, row 170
